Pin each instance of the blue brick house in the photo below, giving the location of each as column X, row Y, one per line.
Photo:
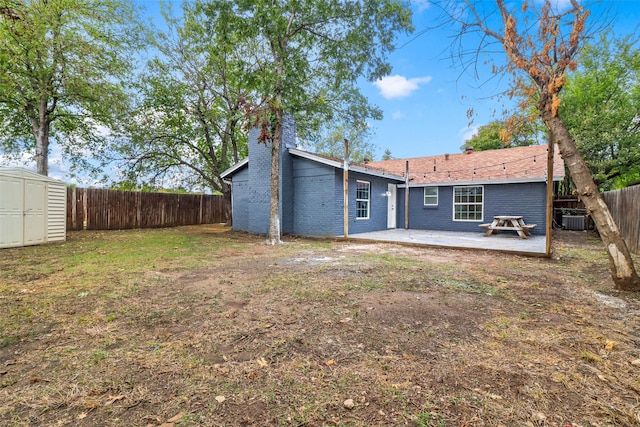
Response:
column 451, row 192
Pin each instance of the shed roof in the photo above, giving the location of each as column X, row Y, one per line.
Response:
column 518, row 164
column 27, row 174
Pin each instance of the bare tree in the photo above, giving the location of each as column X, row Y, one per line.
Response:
column 540, row 50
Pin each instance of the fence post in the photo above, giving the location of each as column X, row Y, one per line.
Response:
column 85, row 208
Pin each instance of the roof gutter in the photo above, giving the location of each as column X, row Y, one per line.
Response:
column 481, row 182
column 234, row 168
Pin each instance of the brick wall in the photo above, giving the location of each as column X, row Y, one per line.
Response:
column 377, row 205
column 251, row 187
column 258, row 184
column 314, row 202
column 286, row 175
column 241, row 202
column 526, row 199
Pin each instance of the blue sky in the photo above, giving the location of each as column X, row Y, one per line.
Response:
column 425, row 99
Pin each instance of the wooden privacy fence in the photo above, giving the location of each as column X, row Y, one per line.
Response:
column 624, row 205
column 97, row 209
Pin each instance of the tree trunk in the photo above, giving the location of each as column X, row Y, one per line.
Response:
column 228, row 211
column 274, row 207
column 40, row 129
column 623, row 271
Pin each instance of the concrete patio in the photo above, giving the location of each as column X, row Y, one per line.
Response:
column 504, row 241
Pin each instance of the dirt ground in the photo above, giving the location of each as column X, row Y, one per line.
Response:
column 318, row 333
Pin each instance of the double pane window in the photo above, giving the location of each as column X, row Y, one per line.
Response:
column 363, row 196
column 468, row 203
column 431, row 196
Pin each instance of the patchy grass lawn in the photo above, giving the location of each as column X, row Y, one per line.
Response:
column 199, row 326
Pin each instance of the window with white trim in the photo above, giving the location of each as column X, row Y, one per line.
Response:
column 363, row 195
column 468, row 203
column 431, row 196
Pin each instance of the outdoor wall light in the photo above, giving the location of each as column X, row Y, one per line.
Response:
column 386, row 194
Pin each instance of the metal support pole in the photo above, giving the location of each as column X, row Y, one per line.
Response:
column 406, row 196
column 345, row 185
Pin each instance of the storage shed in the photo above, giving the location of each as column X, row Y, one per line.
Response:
column 32, row 208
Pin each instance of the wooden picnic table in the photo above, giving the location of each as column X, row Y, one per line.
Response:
column 510, row 223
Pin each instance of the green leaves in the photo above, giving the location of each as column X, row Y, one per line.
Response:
column 518, row 131
column 600, row 106
column 63, row 68
column 331, row 142
column 188, row 126
column 307, row 55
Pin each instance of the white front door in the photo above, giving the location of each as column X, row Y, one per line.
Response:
column 391, row 205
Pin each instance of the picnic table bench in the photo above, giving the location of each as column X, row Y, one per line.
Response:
column 509, row 223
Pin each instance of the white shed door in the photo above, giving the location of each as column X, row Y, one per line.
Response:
column 35, row 198
column 11, row 206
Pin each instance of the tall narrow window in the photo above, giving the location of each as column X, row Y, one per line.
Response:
column 431, row 196
column 468, row 203
column 363, row 195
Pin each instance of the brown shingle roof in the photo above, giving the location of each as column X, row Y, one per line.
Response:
column 508, row 164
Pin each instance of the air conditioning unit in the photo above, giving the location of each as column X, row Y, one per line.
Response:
column 573, row 222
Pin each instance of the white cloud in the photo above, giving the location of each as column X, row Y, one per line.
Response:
column 23, row 160
column 58, row 168
column 468, row 132
column 440, row 90
column 397, row 115
column 399, row 86
column 421, row 5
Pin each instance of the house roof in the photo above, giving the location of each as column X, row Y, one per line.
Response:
column 327, row 160
column 235, row 168
column 518, row 164
column 367, row 169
